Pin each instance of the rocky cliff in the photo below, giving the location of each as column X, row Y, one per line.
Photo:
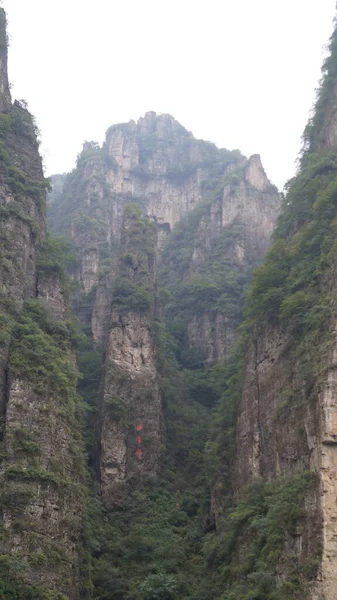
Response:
column 285, row 424
column 169, row 175
column 212, row 213
column 155, row 163
column 131, row 407
column 41, row 448
column 207, row 261
column 175, row 181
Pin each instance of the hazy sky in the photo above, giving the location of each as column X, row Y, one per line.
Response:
column 240, row 73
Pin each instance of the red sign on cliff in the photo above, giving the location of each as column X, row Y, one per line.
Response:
column 139, row 451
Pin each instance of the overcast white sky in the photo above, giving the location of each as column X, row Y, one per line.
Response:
column 240, row 73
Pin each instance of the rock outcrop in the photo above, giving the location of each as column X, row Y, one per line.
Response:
column 284, row 429
column 250, row 207
column 287, row 414
column 222, row 243
column 131, row 405
column 155, row 163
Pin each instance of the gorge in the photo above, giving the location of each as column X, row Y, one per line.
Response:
column 167, row 365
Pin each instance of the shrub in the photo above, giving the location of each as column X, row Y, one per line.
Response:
column 131, row 297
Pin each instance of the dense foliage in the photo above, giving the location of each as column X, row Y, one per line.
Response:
column 256, row 529
column 13, row 588
column 23, row 177
column 292, row 287
column 152, row 548
column 40, row 350
column 133, row 286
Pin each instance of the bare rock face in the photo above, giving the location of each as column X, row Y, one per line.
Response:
column 151, row 157
column 131, row 381
column 100, row 318
column 255, row 204
column 249, row 201
column 327, row 578
column 50, row 293
column 214, row 334
column 131, row 405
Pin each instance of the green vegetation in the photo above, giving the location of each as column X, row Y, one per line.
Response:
column 316, row 132
column 13, row 588
column 25, row 442
column 291, row 289
column 148, row 550
column 131, row 297
column 153, row 547
column 40, row 351
column 23, row 177
column 227, row 379
column 115, row 407
column 257, row 528
column 31, row 473
column 133, row 287
column 56, row 255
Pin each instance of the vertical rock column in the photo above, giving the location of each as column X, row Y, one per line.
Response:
column 131, row 406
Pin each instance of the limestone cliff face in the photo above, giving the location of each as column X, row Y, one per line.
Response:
column 83, row 210
column 39, row 480
column 281, row 430
column 131, row 405
column 208, row 261
column 155, row 163
column 249, row 206
column 158, row 160
column 249, row 201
